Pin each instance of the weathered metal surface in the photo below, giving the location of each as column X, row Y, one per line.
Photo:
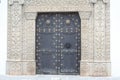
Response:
column 58, row 43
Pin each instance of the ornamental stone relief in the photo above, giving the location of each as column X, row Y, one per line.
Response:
column 99, row 31
column 95, row 34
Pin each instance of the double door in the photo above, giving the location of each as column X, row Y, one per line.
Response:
column 58, row 45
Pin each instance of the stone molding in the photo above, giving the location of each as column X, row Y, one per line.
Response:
column 30, row 15
column 85, row 14
column 95, row 1
column 11, row 2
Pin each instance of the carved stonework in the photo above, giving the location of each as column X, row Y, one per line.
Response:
column 15, row 50
column 99, row 31
column 101, row 69
column 30, row 16
column 95, row 1
column 95, row 34
column 11, row 2
column 14, row 68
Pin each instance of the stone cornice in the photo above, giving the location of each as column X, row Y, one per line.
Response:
column 11, row 2
column 95, row 1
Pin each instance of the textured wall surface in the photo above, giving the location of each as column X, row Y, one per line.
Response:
column 95, row 34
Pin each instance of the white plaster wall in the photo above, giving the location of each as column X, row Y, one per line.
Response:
column 115, row 39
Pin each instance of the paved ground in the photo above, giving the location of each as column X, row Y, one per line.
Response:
column 54, row 77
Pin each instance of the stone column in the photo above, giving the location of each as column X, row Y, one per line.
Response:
column 86, row 43
column 15, row 38
column 101, row 65
column 28, row 57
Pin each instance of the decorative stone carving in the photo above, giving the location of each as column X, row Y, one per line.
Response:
column 14, row 68
column 107, row 55
column 99, row 31
column 15, row 48
column 95, row 34
column 56, row 2
column 95, row 1
column 101, row 69
column 85, row 14
column 11, row 2
column 106, row 1
column 85, row 69
column 29, row 68
column 30, row 16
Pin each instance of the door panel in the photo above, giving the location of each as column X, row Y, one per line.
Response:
column 58, row 43
column 68, row 60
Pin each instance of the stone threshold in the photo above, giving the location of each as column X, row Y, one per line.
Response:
column 55, row 77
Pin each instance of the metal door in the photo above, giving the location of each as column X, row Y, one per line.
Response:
column 58, row 43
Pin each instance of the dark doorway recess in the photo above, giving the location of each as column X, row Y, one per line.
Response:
column 58, row 43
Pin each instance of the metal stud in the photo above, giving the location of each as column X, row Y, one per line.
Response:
column 61, row 23
column 54, row 23
column 61, row 17
column 55, row 60
column 43, row 30
column 53, row 63
column 71, row 29
column 61, row 47
column 47, row 22
column 40, row 23
column 54, row 57
column 37, row 34
column 58, row 34
column 76, row 37
column 61, row 44
column 73, row 19
column 61, row 64
column 61, row 57
column 76, row 30
column 56, row 51
column 55, row 20
column 56, row 46
column 76, row 44
column 76, row 20
column 38, row 43
column 37, row 40
column 54, row 30
column 49, row 30
column 37, row 25
column 59, row 20
column 67, row 21
column 76, row 23
column 59, row 26
column 61, row 37
column 53, row 17
column 39, row 64
column 61, row 29
column 78, row 26
column 39, row 37
column 56, row 40
column 58, row 67
column 43, row 50
column 66, row 30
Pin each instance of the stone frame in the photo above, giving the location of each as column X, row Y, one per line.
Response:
column 95, row 36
